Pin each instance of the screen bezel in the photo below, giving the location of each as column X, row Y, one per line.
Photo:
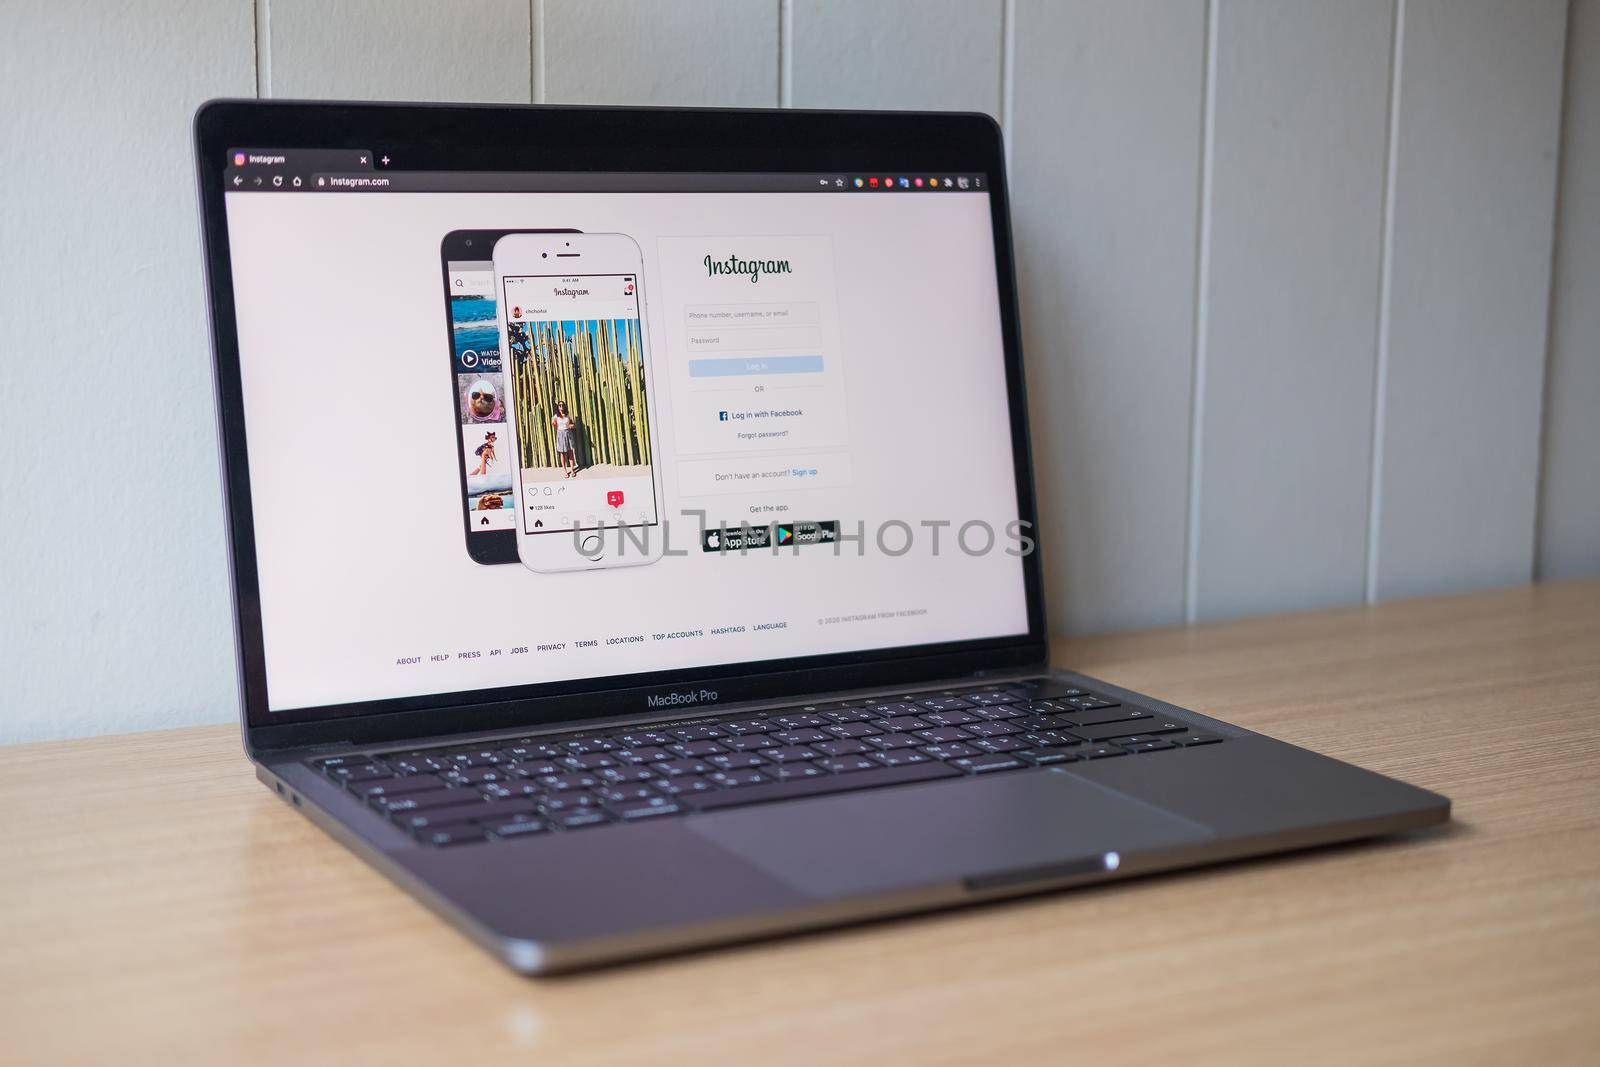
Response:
column 649, row 140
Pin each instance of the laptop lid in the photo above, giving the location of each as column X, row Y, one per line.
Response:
column 792, row 380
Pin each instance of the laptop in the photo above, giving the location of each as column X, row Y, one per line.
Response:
column 633, row 533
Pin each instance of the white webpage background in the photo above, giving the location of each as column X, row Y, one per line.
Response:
column 347, row 389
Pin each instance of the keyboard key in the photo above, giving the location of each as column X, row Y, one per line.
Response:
column 732, row 761
column 1097, row 718
column 784, row 772
column 1102, row 751
column 902, row 724
column 1052, row 738
column 900, row 757
column 673, row 787
column 1091, row 702
column 1036, row 722
column 927, row 770
column 986, row 764
column 443, row 837
column 519, row 787
column 474, row 757
column 360, row 772
column 586, row 763
column 950, row 718
column 790, row 754
column 1046, row 689
column 644, row 809
column 567, row 800
column 1145, row 746
column 1193, row 738
column 943, row 734
column 647, row 754
column 1043, row 756
column 893, row 741
column 800, row 720
column 749, row 743
column 625, row 775
column 801, row 737
column 580, row 819
column 674, row 768
column 395, row 787
column 1127, row 728
column 538, row 768
column 993, row 729
column 1002, row 712
column 611, row 796
column 640, row 738
column 696, row 749
column 945, row 703
column 749, row 726
column 444, row 798
column 848, row 715
column 698, row 733
column 529, row 751
column 841, row 748
column 434, row 817
column 514, row 827
column 418, row 764
column 851, row 729
column 847, row 764
column 953, row 750
column 894, row 707
column 999, row 744
column 986, row 700
column 479, row 775
column 571, row 780
column 329, row 764
column 739, row 779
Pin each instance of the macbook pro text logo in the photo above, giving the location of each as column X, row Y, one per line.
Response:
column 671, row 700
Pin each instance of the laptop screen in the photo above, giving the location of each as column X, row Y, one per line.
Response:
column 781, row 398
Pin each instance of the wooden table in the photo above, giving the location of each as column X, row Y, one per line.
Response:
column 158, row 905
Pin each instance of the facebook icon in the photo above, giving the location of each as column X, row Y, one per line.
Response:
column 722, row 416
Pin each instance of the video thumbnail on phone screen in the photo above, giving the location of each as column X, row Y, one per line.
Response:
column 481, row 399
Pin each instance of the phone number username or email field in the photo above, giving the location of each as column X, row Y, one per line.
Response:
column 714, row 329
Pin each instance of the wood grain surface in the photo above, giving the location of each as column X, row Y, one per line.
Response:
column 158, row 905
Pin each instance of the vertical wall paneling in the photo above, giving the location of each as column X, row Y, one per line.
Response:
column 1569, row 504
column 916, row 54
column 710, row 52
column 1296, row 206
column 1475, row 169
column 114, row 592
column 475, row 50
column 1104, row 177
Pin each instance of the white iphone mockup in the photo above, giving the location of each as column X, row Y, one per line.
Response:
column 587, row 480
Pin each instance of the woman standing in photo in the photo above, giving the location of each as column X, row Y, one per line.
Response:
column 563, row 425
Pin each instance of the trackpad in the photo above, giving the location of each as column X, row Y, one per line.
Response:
column 881, row 839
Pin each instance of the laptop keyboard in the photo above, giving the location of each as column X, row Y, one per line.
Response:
column 511, row 789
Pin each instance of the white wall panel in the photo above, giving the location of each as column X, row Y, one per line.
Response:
column 682, row 52
column 1290, row 323
column 940, row 55
column 1474, row 190
column 1105, row 172
column 1569, row 507
column 473, row 50
column 114, row 607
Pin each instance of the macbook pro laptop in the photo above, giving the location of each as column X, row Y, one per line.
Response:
column 633, row 532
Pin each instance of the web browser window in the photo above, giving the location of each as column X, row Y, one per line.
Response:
column 828, row 411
